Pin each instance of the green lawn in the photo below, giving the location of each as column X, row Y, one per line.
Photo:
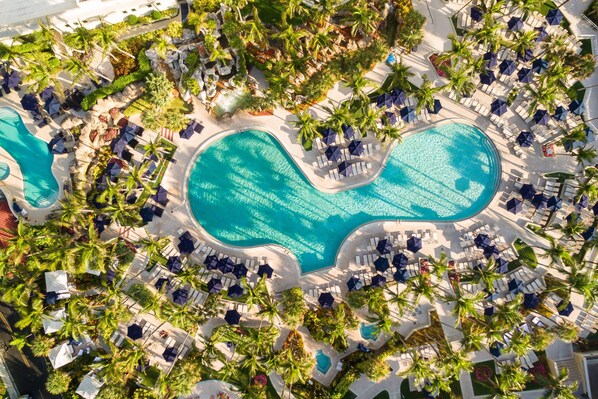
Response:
column 478, row 387
column 561, row 176
column 527, row 256
column 382, row 395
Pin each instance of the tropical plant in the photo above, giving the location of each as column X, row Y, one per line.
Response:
column 556, row 386
column 162, row 46
column 58, row 382
column 425, row 94
column 308, row 127
column 158, row 89
column 399, row 76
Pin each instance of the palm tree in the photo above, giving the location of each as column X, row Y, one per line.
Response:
column 199, row 21
column 152, row 245
column 420, row 369
column 421, row 285
column 556, row 252
column 465, row 305
column 42, row 70
column 368, row 121
column 362, row 19
column 486, row 275
column 308, row 127
column 459, row 81
column 80, row 38
column 454, row 362
column 293, row 8
column 508, row 313
column 582, row 279
column 320, row 41
column 521, row 343
column 254, row 31
column 473, row 337
column 163, row 45
column 511, row 379
column 338, row 116
column 399, row 76
column 585, row 155
column 529, row 6
column 358, row 82
column 401, row 300
column 425, row 94
column 489, row 34
column 33, row 317
column 439, row 265
column 388, row 132
column 460, row 51
column 104, row 37
column 524, row 40
column 290, row 37
column 556, row 386
column 77, row 69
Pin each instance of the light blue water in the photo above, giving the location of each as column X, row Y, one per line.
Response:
column 322, row 361
column 32, row 156
column 245, row 190
column 369, row 331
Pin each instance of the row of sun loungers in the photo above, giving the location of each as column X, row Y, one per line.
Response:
column 358, row 168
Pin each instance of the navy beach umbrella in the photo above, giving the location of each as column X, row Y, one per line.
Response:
column 554, row 203
column 491, row 251
column 539, row 65
column 576, row 107
column 384, row 100
column 502, row 266
column 398, row 97
column 589, row 233
column 514, row 205
column 240, row 270
column 378, row 280
column 525, row 139
column 408, row 114
column 211, row 262
column 541, row 117
column 525, row 55
column 482, row 240
column 29, row 103
column 583, row 202
column 118, row 146
column 326, row 300
column 489, row 311
column 542, row 33
column 174, row 264
column 134, row 331
column 328, row 136
column 381, row 264
column 265, row 270
column 476, row 14
column 180, row 296
column 560, row 113
column 507, row 67
column 333, row 153
column 515, row 286
column 354, row 284
column 356, row 148
column 436, row 108
column 400, row 260
column 13, row 80
column 540, row 201
column 214, row 285
column 525, row 75
column 595, row 209
column 384, row 247
column 554, row 17
column 57, row 146
column 345, row 168
column 348, row 132
column 226, row 265
column 491, row 59
column 414, row 244
column 52, row 106
column 161, row 282
column 186, row 246
column 530, row 301
column 487, row 77
column 391, row 118
column 400, row 275
column 232, row 317
column 498, row 107
column 235, row 291
column 565, row 310
column 496, row 349
column 170, row 354
column 515, row 24
column 527, row 191
column 47, row 93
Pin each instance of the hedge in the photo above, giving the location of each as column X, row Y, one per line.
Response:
column 120, row 83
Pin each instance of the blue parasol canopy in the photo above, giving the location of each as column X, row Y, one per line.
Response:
column 498, row 107
column 489, row 311
column 180, row 296
column 384, row 100
column 113, row 169
column 487, row 77
column 541, row 117
column 161, row 283
column 583, row 202
column 502, row 266
column 240, row 270
column 554, row 17
column 170, row 354
column 482, row 240
column 539, row 65
column 345, row 168
column 589, row 233
column 560, row 113
column 398, row 97
column 186, row 246
column 174, row 264
column 235, row 291
column 29, row 103
column 414, row 244
column 530, row 301
column 214, row 285
column 52, row 106
column 542, row 33
column 436, row 107
column 378, row 280
column 134, row 331
column 527, row 191
column 515, row 24
column 326, row 300
column 476, row 14
column 507, row 67
column 515, row 286
column 381, row 264
column 408, row 114
column 356, row 148
column 491, row 252
column 384, row 246
column 147, row 213
column 118, row 146
column 525, row 75
column 211, row 262
column 333, row 153
column 525, row 139
column 232, row 317
column 491, row 59
column 391, row 118
column 577, row 107
column 400, row 260
column 161, row 196
column 13, row 80
column 47, row 93
column 565, row 310
column 400, row 275
column 328, row 136
column 514, row 205
column 265, row 270
column 496, row 349
column 540, row 201
column 526, row 55
column 226, row 265
column 554, row 203
column 354, row 284
column 348, row 132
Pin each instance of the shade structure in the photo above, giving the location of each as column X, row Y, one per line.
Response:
column 507, row 67
column 560, row 113
column 13, row 80
column 110, row 276
column 265, row 270
column 527, row 191
column 192, row 127
column 526, row 55
column 240, row 270
column 378, row 280
column 436, row 107
column 491, row 252
column 515, row 286
column 381, row 264
column 345, row 168
column 515, row 24
column 170, row 354
column 491, row 59
column 414, row 244
column 539, row 65
column 214, row 285
column 398, row 97
column 391, row 118
column 400, row 276
column 235, row 291
column 408, row 114
column 180, row 296
column 525, row 139
column 354, row 284
column 498, row 107
column 211, row 262
column 333, row 153
column 482, row 240
column 514, row 205
column 174, row 264
column 348, row 132
column 226, row 265
column 186, row 246
column 487, row 77
column 56, row 145
column 525, row 75
column 384, row 100
column 356, row 148
column 127, row 133
column 47, row 93
column 565, row 310
column 400, row 260
column 540, row 201
column 476, row 14
column 326, row 300
column 232, row 317
column 583, row 202
column 29, row 103
column 554, row 203
column 118, row 146
column 530, row 301
column 489, row 311
column 384, row 246
column 161, row 283
column 328, row 136
column 113, row 169
column 541, row 117
column 595, row 209
column 496, row 349
column 502, row 266
column 589, row 233
column 576, row 107
column 542, row 33
column 554, row 17
column 52, row 106
column 161, row 196
column 134, row 331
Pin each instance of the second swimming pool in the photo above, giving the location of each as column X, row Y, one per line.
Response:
column 245, row 190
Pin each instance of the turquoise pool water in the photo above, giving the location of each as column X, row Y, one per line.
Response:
column 369, row 331
column 322, row 361
column 4, row 170
column 32, row 156
column 245, row 190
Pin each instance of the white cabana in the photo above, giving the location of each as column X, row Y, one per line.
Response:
column 57, row 282
column 61, row 355
column 89, row 386
column 53, row 321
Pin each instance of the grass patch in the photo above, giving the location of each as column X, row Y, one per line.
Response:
column 382, row 395
column 176, row 104
column 560, row 176
column 576, row 92
column 270, row 12
column 586, row 46
column 480, row 388
column 527, row 256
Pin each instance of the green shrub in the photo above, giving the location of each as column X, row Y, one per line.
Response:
column 191, row 61
column 132, row 20
column 144, row 19
column 193, row 86
column 205, row 5
column 156, row 15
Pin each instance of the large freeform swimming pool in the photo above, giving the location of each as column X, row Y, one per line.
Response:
column 245, row 190
column 33, row 157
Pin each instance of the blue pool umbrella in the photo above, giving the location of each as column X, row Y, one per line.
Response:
column 226, row 265
column 400, row 260
column 527, row 191
column 589, row 233
column 147, row 214
column 186, row 235
column 554, row 203
column 174, row 264
column 408, row 114
column 560, row 113
column 192, row 127
column 127, row 133
column 554, row 17
column 496, row 349
column 52, row 106
column 57, row 146
column 391, row 59
column 491, row 252
column 211, row 262
column 348, row 132
column 110, row 276
column 436, row 107
column 113, row 169
column 214, row 285
column 400, row 276
column 476, row 14
column 576, row 107
column 345, row 168
column 29, row 103
column 525, row 75
column 378, row 280
column 186, row 246
column 498, row 107
column 161, row 196
column 489, row 311
column 589, row 133
column 118, row 146
column 51, row 298
column 482, row 240
column 328, row 136
column 384, row 100
column 170, row 354
column 525, row 139
column 356, row 148
column 240, row 270
column 180, row 296
column 542, row 33
column 333, row 153
column 539, row 65
column 265, row 270
column 491, row 59
column 13, row 80
column 232, row 317
column 530, row 301
column 540, row 201
column 134, row 331
column 47, row 93
column 391, row 117
column 487, row 77
column 525, row 55
column 384, row 246
column 565, row 310
column 515, row 286
column 507, row 67
column 235, row 291
column 354, row 284
column 326, row 300
column 541, row 117
column 381, row 264
column 514, row 205
column 162, row 281
column 515, row 24
column 398, row 97
column 414, row 244
column 595, row 209
column 502, row 266
column 583, row 202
